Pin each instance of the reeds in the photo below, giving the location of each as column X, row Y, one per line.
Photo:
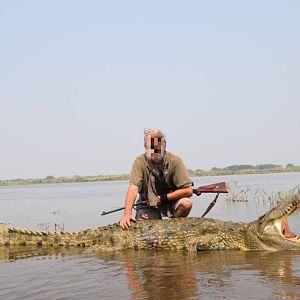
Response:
column 239, row 193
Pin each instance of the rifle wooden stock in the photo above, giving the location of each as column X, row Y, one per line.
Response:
column 220, row 187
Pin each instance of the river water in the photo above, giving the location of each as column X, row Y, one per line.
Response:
column 74, row 274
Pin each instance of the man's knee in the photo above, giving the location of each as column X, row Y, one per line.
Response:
column 186, row 203
column 183, row 208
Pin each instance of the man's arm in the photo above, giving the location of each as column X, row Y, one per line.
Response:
column 182, row 181
column 178, row 194
column 130, row 198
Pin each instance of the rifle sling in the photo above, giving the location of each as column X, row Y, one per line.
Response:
column 210, row 206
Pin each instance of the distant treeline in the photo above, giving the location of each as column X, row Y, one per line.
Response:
column 246, row 169
column 52, row 179
column 230, row 170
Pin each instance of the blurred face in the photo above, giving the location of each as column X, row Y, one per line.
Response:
column 155, row 148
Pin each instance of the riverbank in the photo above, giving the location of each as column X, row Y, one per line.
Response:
column 228, row 171
column 215, row 172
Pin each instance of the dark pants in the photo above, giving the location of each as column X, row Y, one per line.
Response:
column 147, row 213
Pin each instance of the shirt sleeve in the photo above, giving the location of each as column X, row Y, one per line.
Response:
column 136, row 174
column 182, row 177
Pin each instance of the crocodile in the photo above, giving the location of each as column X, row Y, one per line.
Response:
column 269, row 232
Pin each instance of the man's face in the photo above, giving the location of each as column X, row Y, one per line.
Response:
column 155, row 148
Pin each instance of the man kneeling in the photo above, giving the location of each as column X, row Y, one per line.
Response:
column 161, row 180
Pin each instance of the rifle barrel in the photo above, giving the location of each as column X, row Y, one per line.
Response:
column 117, row 209
column 112, row 211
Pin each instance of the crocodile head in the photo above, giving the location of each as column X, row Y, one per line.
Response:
column 272, row 228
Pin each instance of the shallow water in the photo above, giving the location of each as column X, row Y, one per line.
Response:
column 72, row 273
column 153, row 275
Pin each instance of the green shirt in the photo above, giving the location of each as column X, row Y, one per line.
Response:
column 175, row 174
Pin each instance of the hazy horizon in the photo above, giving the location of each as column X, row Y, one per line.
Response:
column 79, row 82
column 80, row 175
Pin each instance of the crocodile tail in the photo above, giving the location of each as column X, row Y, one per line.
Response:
column 16, row 236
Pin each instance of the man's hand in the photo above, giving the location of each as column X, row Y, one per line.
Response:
column 125, row 221
column 130, row 198
column 158, row 201
column 162, row 198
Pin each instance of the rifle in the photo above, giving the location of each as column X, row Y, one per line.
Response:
column 218, row 188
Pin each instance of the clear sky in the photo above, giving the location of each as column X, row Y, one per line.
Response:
column 80, row 80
